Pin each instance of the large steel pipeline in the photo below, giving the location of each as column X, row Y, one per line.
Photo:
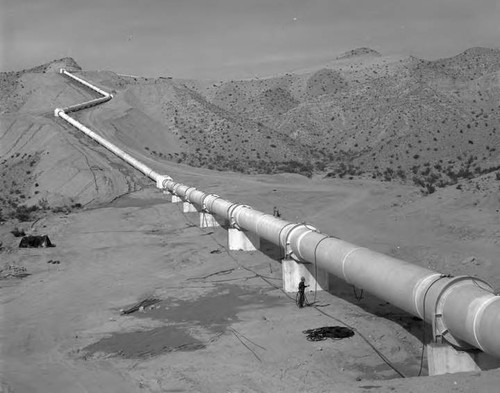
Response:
column 86, row 104
column 85, row 83
column 464, row 311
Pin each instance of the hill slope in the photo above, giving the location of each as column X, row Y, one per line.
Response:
column 431, row 123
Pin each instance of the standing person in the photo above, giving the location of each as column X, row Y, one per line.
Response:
column 302, row 288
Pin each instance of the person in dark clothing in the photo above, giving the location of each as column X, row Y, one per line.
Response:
column 301, row 295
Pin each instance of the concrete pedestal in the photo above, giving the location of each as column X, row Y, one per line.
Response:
column 208, row 220
column 241, row 240
column 444, row 359
column 176, row 199
column 292, row 271
column 188, row 207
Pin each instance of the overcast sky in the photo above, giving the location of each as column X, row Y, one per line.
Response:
column 223, row 39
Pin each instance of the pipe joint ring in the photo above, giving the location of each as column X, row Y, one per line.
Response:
column 209, row 208
column 421, row 290
column 165, row 181
column 203, row 205
column 188, row 191
column 174, row 189
column 344, row 263
column 477, row 318
column 281, row 244
column 229, row 215
column 299, row 240
column 232, row 214
column 440, row 328
column 289, row 253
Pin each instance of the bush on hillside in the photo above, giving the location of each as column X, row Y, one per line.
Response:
column 23, row 212
column 18, row 232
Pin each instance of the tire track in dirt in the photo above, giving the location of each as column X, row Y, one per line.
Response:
column 32, row 136
column 9, row 128
column 19, row 138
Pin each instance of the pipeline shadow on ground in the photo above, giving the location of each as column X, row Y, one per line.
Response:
column 373, row 306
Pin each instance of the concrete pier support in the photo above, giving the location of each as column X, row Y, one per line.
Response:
column 188, row 207
column 292, row 271
column 241, row 240
column 208, row 220
column 444, row 359
column 176, row 198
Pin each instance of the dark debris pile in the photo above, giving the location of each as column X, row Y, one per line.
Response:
column 333, row 332
column 142, row 304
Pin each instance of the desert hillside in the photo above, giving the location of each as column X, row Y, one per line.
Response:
column 427, row 123
column 396, row 154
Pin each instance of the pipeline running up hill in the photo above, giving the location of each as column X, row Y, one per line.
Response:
column 464, row 311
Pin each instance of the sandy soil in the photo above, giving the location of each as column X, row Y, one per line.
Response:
column 222, row 323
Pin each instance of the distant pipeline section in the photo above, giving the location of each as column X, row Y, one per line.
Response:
column 85, row 83
column 62, row 113
column 463, row 311
column 87, row 104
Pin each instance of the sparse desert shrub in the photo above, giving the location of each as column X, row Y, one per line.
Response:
column 23, row 212
column 320, row 165
column 43, row 203
column 18, row 232
column 401, row 174
column 430, row 188
column 61, row 209
column 418, row 181
column 426, row 171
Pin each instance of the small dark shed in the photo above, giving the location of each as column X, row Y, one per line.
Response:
column 34, row 241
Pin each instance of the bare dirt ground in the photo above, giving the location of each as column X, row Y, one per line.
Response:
column 221, row 322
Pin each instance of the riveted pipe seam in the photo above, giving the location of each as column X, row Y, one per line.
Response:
column 344, row 260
